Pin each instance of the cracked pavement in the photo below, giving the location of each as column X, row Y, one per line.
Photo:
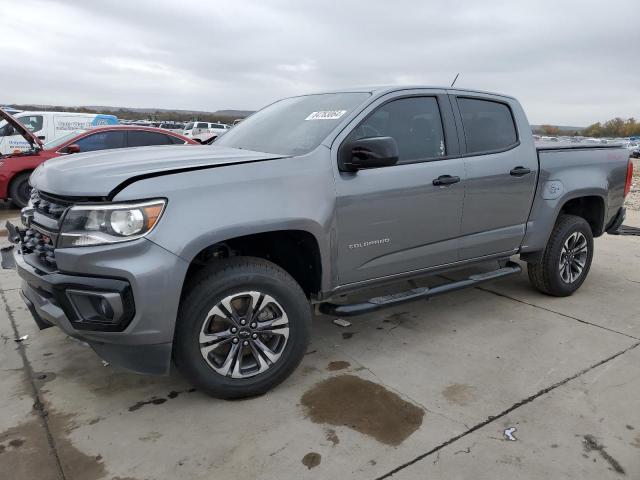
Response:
column 423, row 390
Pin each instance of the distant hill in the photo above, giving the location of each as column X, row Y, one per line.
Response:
column 144, row 113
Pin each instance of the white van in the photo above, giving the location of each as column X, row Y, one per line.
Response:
column 48, row 126
column 193, row 129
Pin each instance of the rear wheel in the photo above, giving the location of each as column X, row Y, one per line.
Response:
column 566, row 260
column 242, row 328
column 20, row 190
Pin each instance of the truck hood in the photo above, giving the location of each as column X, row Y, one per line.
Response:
column 21, row 129
column 104, row 173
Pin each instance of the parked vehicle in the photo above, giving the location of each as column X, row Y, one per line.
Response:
column 635, row 153
column 48, row 126
column 15, row 169
column 10, row 110
column 213, row 255
column 631, row 146
column 174, row 127
column 193, row 129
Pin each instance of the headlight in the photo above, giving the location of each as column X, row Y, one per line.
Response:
column 85, row 225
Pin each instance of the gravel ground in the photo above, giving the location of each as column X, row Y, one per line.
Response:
column 633, row 200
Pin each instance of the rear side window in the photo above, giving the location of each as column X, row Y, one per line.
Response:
column 144, row 139
column 101, row 141
column 202, row 125
column 488, row 125
column 414, row 123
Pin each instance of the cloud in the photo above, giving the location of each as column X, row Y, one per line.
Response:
column 568, row 62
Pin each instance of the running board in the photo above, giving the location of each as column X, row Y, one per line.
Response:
column 626, row 230
column 422, row 293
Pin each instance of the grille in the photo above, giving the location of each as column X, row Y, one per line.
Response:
column 46, row 206
column 44, row 225
column 40, row 244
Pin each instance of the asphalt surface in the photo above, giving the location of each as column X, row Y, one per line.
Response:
column 488, row 383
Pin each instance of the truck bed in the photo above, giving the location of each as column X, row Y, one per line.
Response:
column 573, row 146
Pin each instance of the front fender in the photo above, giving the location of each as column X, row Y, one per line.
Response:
column 210, row 206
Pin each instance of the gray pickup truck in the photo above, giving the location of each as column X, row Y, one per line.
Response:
column 214, row 256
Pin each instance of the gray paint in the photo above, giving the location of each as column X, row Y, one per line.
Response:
column 370, row 226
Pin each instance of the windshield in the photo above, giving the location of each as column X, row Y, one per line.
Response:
column 293, row 126
column 59, row 141
column 5, row 129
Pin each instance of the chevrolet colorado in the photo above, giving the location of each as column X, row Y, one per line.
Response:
column 213, row 255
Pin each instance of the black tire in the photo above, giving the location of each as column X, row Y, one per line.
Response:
column 219, row 281
column 546, row 275
column 20, row 190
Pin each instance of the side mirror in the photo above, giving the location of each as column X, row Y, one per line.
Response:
column 73, row 148
column 372, row 152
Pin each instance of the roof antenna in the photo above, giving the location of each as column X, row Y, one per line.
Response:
column 454, row 80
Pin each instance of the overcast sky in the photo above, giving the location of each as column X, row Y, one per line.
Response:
column 569, row 62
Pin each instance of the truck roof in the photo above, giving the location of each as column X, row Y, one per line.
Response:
column 382, row 89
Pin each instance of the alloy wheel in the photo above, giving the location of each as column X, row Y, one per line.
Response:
column 573, row 257
column 244, row 334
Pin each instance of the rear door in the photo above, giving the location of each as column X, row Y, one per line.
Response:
column 142, row 138
column 394, row 220
column 502, row 167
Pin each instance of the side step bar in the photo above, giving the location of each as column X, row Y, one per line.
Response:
column 626, row 230
column 422, row 293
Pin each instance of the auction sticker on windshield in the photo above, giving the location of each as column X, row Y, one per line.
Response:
column 326, row 115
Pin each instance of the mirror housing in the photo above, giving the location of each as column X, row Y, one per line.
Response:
column 73, row 148
column 371, row 152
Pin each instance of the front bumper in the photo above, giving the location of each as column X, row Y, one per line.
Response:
column 145, row 277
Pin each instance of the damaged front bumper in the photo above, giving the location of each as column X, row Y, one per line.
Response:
column 120, row 299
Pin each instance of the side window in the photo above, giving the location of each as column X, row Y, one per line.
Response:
column 139, row 138
column 202, row 125
column 175, row 140
column 101, row 141
column 32, row 122
column 414, row 123
column 487, row 125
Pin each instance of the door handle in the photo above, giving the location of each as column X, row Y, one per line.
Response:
column 519, row 171
column 445, row 180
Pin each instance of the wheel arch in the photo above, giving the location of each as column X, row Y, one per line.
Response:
column 589, row 203
column 297, row 251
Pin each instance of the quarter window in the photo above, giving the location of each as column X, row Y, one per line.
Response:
column 488, row 125
column 414, row 123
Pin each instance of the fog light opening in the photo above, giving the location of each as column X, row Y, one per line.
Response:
column 96, row 307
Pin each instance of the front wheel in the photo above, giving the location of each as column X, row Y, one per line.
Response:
column 20, row 190
column 566, row 259
column 242, row 328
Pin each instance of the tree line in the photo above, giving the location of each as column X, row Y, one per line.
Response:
column 125, row 114
column 616, row 127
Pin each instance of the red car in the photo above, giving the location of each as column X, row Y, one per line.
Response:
column 15, row 168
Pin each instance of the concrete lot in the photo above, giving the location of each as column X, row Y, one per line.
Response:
column 425, row 390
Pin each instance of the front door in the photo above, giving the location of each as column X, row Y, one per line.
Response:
column 394, row 220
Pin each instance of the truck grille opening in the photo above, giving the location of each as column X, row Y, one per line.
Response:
column 47, row 206
column 44, row 226
column 41, row 245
